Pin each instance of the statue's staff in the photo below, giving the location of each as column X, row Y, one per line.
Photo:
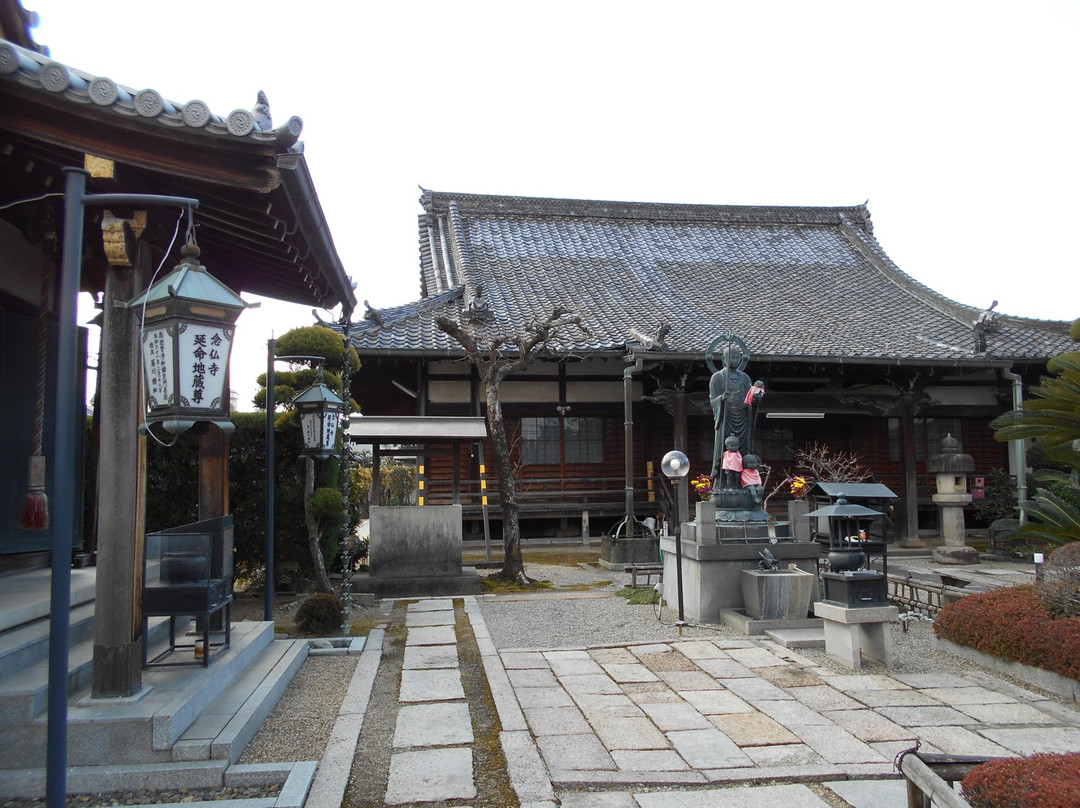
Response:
column 720, row 418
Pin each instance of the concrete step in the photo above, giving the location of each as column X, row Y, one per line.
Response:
column 23, row 646
column 798, row 637
column 226, row 726
column 143, row 728
column 25, row 595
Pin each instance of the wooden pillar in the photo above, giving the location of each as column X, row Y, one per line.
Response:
column 214, row 487
column 908, row 516
column 117, row 667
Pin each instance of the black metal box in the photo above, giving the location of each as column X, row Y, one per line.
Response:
column 855, row 588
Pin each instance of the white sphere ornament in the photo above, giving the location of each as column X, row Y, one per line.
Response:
column 675, row 464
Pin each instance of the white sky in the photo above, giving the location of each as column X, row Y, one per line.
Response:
column 956, row 120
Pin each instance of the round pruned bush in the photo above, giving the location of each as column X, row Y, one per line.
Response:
column 1039, row 781
column 1059, row 590
column 320, row 615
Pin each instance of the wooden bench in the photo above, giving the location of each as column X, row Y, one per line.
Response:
column 648, row 570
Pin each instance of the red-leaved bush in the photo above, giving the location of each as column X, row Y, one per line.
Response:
column 1011, row 623
column 1039, row 781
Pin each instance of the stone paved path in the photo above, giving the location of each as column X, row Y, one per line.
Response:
column 691, row 723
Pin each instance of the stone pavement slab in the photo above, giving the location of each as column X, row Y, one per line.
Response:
column 867, row 725
column 556, row 721
column 420, row 657
column 1038, row 739
column 430, row 685
column 715, row 702
column 788, row 676
column 690, row 680
column 532, row 677
column 523, row 659
column 575, row 752
column 421, row 619
column 961, row 741
column 791, row 754
column 635, row 672
column 755, row 657
column 708, row 749
column 431, row 635
column 956, row 696
column 430, row 775
column 669, row 716
column 871, row 793
column 755, row 689
column 432, row 605
column 991, row 714
column 436, row 724
column 789, row 796
column 725, row 668
column 591, row 683
column 823, row 697
column 893, row 698
column 648, row 760
column 837, row 745
column 543, row 697
column 627, row 732
column 753, row 729
column 701, row 649
column 793, row 714
column 926, row 716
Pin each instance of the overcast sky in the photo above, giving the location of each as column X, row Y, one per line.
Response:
column 956, row 120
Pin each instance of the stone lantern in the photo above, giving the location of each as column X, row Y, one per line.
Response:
column 952, row 469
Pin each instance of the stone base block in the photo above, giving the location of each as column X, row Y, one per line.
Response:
column 851, row 634
column 956, row 555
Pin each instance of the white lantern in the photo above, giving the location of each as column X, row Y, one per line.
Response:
column 187, row 328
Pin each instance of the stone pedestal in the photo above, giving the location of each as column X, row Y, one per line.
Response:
column 798, row 520
column 416, row 550
column 851, row 634
column 782, row 594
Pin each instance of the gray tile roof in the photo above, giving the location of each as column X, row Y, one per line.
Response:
column 793, row 282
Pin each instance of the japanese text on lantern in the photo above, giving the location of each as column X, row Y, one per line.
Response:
column 158, row 367
column 205, row 352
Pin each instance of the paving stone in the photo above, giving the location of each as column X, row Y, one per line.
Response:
column 431, row 635
column 627, row 732
column 644, row 687
column 601, row 704
column 871, row 793
column 793, row 714
column 674, row 716
column 754, row 690
column 849, row 683
column 430, row 685
column 955, row 696
column 867, row 725
column 824, row 697
column 422, row 657
column 575, row 752
column 999, row 685
column 790, row 754
column 591, row 683
column 755, row 657
column 532, row 677
column 439, row 724
column 837, row 745
column 1036, row 739
column 432, row 605
column 543, row 697
column 629, row 673
column 699, row 650
column 890, row 749
column 430, row 775
column 689, row 680
column 725, row 669
column 996, row 714
column 961, row 741
column 420, row 619
column 893, row 698
column 669, row 661
column 575, row 667
column 753, row 729
column 664, row 696
column 598, row 799
column 923, row 680
column 726, row 643
column 652, row 648
column 790, row 796
column 788, row 676
column 708, row 749
column 926, row 716
column 556, row 721
column 523, row 659
column 715, row 702
column 648, row 760
column 614, row 655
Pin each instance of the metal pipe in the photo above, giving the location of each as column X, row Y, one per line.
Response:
column 683, row 516
column 1017, row 446
column 628, row 448
column 268, row 606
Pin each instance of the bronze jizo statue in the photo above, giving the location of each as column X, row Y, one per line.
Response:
column 734, row 399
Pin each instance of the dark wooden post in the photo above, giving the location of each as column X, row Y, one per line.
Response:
column 909, row 515
column 214, row 485
column 117, row 669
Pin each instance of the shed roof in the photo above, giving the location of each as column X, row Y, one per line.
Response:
column 261, row 227
column 383, row 429
column 794, row 282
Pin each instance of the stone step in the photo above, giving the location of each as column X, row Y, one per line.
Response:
column 227, row 725
column 28, row 644
column 798, row 637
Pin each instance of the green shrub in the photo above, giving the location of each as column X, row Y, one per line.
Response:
column 1011, row 623
column 1040, row 781
column 320, row 615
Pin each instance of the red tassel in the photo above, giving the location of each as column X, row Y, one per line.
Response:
column 35, row 514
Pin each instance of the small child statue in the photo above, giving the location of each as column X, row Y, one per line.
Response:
column 751, row 478
column 732, row 464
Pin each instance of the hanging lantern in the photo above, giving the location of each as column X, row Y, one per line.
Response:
column 320, row 414
column 188, row 320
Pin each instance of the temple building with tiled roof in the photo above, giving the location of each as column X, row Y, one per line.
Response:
column 854, row 353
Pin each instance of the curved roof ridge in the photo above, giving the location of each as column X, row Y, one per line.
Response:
column 407, row 311
column 656, row 211
column 870, row 249
column 40, row 73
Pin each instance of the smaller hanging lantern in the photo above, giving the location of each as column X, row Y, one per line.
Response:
column 320, row 414
column 188, row 324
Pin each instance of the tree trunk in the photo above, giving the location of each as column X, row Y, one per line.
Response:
column 322, row 580
column 513, row 568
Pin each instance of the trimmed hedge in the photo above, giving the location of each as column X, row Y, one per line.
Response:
column 1039, row 781
column 1011, row 623
column 320, row 614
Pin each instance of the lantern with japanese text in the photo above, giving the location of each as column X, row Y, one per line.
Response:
column 188, row 323
column 320, row 410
